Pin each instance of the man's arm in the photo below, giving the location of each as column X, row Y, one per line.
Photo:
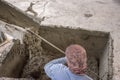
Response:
column 54, row 65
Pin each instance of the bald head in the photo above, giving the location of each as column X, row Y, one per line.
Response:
column 76, row 58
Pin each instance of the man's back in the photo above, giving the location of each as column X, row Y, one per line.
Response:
column 56, row 70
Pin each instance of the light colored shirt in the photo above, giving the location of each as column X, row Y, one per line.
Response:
column 56, row 70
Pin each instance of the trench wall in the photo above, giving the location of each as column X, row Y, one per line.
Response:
column 105, row 68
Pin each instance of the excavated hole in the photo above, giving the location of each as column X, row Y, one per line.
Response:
column 97, row 45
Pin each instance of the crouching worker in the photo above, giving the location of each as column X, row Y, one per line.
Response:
column 76, row 60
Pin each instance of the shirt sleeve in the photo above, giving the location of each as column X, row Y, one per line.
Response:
column 54, row 65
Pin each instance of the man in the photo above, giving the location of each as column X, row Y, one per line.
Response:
column 76, row 60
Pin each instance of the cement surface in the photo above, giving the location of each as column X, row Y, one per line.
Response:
column 100, row 15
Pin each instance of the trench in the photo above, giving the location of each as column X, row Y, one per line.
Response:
column 35, row 53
